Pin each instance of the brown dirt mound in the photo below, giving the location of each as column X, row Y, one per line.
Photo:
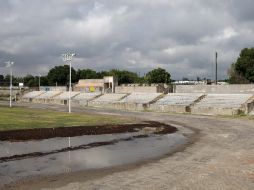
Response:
column 45, row 133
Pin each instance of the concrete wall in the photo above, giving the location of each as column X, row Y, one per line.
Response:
column 216, row 89
column 249, row 106
column 7, row 92
column 131, row 106
column 169, row 108
column 53, row 88
column 216, row 111
column 145, row 89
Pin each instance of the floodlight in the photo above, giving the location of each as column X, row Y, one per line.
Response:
column 68, row 57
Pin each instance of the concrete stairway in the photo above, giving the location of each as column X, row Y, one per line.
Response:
column 65, row 95
column 140, row 98
column 46, row 97
column 30, row 95
column 83, row 98
column 106, row 100
column 176, row 102
column 222, row 104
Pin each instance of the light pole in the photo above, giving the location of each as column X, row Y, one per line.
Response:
column 68, row 57
column 216, row 68
column 39, row 82
column 10, row 64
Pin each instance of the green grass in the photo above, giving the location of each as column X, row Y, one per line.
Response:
column 24, row 118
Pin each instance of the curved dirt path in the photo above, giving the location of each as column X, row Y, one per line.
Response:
column 221, row 158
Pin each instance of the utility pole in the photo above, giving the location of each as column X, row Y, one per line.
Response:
column 216, row 68
column 39, row 82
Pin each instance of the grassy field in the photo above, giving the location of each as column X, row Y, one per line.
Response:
column 24, row 118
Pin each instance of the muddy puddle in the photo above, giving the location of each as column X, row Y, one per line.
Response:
column 23, row 159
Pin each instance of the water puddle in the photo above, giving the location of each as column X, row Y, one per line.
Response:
column 9, row 149
column 20, row 160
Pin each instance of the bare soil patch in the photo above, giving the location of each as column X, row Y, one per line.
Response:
column 45, row 133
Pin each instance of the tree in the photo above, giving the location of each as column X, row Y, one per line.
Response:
column 158, row 75
column 44, row 81
column 17, row 80
column 60, row 75
column 30, row 81
column 141, row 80
column 242, row 71
column 102, row 74
column 124, row 77
column 185, row 79
column 235, row 77
column 3, row 81
column 87, row 74
column 6, row 81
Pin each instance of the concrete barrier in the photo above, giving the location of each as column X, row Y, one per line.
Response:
column 131, row 106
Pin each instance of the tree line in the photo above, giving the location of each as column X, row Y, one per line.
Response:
column 59, row 75
column 242, row 71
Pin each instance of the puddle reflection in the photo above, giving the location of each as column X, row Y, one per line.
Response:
column 120, row 153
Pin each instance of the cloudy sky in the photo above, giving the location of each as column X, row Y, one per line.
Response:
column 180, row 36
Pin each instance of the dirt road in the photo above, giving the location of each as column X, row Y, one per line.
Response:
column 222, row 157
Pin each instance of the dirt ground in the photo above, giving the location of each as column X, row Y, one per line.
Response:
column 221, row 157
column 45, row 133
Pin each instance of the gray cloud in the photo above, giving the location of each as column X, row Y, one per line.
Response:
column 178, row 35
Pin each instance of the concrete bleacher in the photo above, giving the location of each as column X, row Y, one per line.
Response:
column 196, row 103
column 86, row 96
column 83, row 98
column 176, row 102
column 106, row 100
column 224, row 104
column 137, row 101
column 63, row 97
column 30, row 95
column 140, row 98
column 110, row 98
column 46, row 97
